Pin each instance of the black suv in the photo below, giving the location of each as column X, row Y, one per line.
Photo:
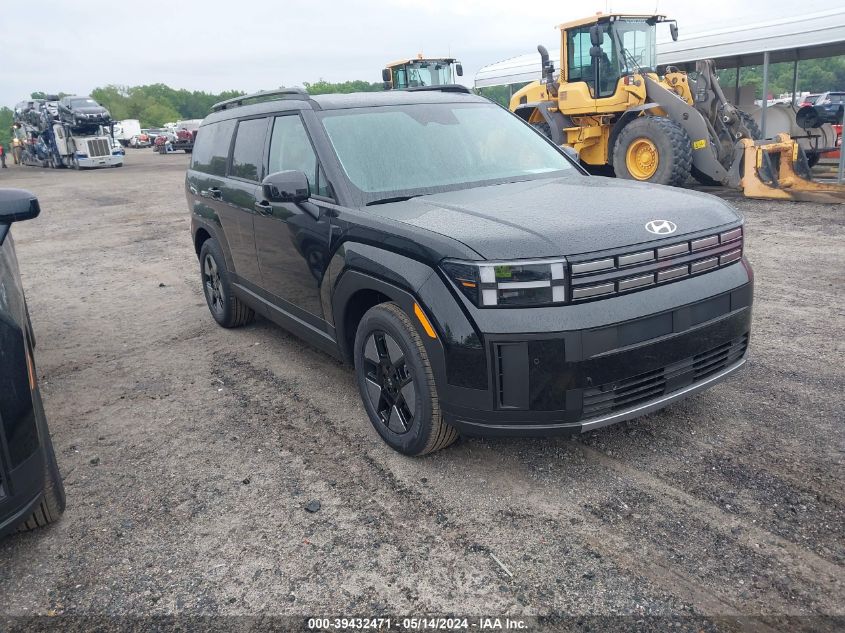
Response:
column 477, row 279
column 82, row 112
column 31, row 491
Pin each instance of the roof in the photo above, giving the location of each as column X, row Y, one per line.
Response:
column 344, row 101
column 400, row 62
column 604, row 17
column 807, row 36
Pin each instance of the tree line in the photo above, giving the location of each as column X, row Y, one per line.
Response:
column 157, row 104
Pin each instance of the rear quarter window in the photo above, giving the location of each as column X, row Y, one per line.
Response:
column 211, row 148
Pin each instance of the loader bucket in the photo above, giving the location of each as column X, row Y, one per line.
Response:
column 768, row 172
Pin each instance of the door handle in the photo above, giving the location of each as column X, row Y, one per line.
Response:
column 214, row 193
column 264, row 207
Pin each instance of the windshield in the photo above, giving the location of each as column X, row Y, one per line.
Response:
column 422, row 73
column 82, row 103
column 633, row 42
column 425, row 148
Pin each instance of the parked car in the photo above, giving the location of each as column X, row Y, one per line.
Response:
column 809, row 100
column 829, row 105
column 82, row 111
column 31, row 490
column 475, row 277
column 140, row 140
column 154, row 133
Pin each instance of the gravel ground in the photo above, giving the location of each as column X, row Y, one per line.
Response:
column 190, row 452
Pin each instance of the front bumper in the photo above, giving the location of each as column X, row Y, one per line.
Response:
column 576, row 381
column 101, row 161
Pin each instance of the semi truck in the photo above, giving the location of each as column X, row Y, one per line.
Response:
column 50, row 142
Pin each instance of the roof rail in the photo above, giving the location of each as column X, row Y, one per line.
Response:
column 267, row 95
column 441, row 88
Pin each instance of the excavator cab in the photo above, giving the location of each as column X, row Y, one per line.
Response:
column 421, row 72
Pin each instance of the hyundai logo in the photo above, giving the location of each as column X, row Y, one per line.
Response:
column 661, row 227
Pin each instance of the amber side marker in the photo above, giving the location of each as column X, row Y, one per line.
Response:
column 424, row 321
column 30, row 370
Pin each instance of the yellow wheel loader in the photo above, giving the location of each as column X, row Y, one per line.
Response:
column 609, row 104
column 421, row 72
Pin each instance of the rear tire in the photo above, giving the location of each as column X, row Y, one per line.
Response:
column 225, row 307
column 397, row 383
column 653, row 149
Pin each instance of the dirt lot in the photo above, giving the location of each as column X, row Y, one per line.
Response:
column 189, row 452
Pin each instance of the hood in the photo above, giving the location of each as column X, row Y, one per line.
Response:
column 90, row 110
column 561, row 216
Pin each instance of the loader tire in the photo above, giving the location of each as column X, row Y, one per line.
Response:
column 751, row 125
column 543, row 128
column 653, row 149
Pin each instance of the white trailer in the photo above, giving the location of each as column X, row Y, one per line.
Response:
column 125, row 130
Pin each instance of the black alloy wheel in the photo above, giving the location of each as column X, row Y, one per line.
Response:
column 226, row 308
column 212, row 286
column 390, row 382
column 396, row 382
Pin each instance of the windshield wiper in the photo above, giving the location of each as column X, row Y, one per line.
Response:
column 393, row 199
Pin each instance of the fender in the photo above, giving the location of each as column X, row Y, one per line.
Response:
column 458, row 356
column 355, row 267
column 557, row 121
column 210, row 223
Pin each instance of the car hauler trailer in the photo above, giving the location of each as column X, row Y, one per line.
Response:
column 50, row 142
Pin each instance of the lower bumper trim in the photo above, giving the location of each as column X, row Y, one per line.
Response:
column 583, row 426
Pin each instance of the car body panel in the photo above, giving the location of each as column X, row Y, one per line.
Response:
column 21, row 417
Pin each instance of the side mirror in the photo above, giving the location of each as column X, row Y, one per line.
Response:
column 459, row 70
column 286, row 186
column 596, row 35
column 673, row 31
column 17, row 205
column 596, row 51
column 385, row 74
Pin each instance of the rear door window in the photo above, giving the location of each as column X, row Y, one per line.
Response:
column 211, row 149
column 248, row 154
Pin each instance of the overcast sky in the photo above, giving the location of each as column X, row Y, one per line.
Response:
column 249, row 45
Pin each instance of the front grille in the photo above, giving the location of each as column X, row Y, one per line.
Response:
column 99, row 147
column 629, row 392
column 643, row 268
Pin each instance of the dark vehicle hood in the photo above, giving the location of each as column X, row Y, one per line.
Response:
column 90, row 110
column 561, row 216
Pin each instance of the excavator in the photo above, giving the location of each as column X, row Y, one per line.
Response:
column 421, row 72
column 611, row 106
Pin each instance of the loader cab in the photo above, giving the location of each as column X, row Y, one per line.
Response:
column 602, row 50
column 419, row 72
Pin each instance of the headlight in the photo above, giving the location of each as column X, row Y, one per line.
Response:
column 518, row 283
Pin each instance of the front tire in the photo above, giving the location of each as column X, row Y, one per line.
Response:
column 52, row 504
column 224, row 306
column 653, row 149
column 397, row 384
